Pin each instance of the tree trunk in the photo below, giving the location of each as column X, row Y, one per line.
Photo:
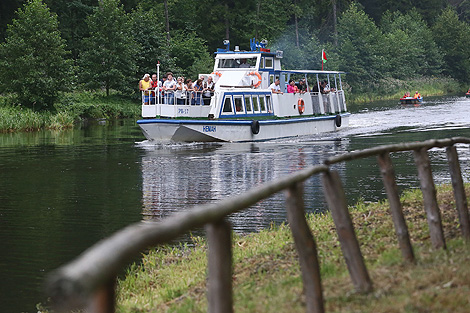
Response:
column 167, row 21
column 227, row 23
column 335, row 20
column 296, row 26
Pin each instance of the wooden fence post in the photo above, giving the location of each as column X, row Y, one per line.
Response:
column 459, row 191
column 219, row 236
column 104, row 299
column 431, row 207
column 401, row 229
column 336, row 199
column 306, row 248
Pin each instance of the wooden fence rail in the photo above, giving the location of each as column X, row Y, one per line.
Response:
column 89, row 281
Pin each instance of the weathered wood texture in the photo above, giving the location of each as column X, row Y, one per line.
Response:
column 431, row 207
column 396, row 148
column 306, row 248
column 104, row 300
column 219, row 237
column 71, row 285
column 459, row 191
column 336, row 199
column 401, row 229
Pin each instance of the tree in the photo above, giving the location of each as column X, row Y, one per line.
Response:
column 361, row 48
column 451, row 35
column 108, row 58
column 411, row 45
column 33, row 61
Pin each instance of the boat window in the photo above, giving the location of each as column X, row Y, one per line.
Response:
column 261, row 63
column 255, row 104
column 227, row 105
column 262, row 104
column 268, row 63
column 248, row 103
column 271, row 79
column 268, row 104
column 239, row 104
column 238, row 63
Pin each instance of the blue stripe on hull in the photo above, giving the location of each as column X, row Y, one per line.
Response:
column 239, row 122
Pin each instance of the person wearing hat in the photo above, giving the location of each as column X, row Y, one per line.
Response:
column 144, row 85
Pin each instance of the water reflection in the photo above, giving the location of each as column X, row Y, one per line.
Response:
column 177, row 177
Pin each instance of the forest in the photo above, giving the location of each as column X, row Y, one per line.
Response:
column 51, row 46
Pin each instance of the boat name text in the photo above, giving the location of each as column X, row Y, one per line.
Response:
column 208, row 129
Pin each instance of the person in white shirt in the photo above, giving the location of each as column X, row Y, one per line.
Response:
column 275, row 88
column 180, row 92
column 208, row 90
column 169, row 87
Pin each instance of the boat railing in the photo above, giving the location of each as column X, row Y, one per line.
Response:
column 90, row 280
column 179, row 98
column 317, row 103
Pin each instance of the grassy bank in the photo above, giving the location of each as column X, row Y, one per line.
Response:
column 69, row 109
column 267, row 276
column 387, row 89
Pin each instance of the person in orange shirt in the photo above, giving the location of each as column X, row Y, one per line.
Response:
column 417, row 95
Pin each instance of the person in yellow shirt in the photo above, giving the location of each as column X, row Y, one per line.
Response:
column 144, row 86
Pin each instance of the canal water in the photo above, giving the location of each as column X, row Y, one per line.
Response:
column 61, row 192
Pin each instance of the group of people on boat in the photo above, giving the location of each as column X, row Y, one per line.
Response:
column 169, row 90
column 417, row 95
column 301, row 87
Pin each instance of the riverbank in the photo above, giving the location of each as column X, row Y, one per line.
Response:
column 389, row 89
column 267, row 276
column 70, row 109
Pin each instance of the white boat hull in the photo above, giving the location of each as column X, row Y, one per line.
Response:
column 239, row 130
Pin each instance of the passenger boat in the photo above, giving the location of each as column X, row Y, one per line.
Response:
column 243, row 108
column 411, row 100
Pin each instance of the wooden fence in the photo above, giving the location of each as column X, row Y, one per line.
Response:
column 89, row 281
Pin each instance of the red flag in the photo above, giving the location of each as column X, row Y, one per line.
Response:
column 323, row 56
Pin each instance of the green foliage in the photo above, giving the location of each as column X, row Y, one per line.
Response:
column 411, row 46
column 361, row 48
column 33, row 59
column 451, row 36
column 108, row 58
column 151, row 39
column 191, row 56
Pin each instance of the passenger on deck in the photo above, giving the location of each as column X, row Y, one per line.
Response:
column 189, row 91
column 198, row 92
column 155, row 86
column 275, row 88
column 169, row 88
column 208, row 90
column 290, row 87
column 180, row 91
column 144, row 86
column 326, row 87
column 302, row 86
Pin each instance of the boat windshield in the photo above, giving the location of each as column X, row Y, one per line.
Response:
column 238, row 63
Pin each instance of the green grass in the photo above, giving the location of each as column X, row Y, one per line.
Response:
column 266, row 274
column 68, row 111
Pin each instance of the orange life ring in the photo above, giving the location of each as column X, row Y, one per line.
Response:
column 301, row 106
column 259, row 79
column 217, row 73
